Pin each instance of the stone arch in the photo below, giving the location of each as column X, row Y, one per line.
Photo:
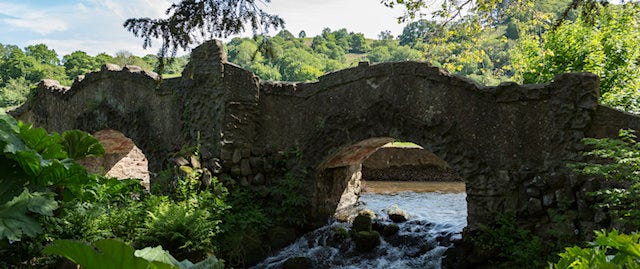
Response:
column 122, row 158
column 508, row 141
column 127, row 99
column 338, row 175
column 132, row 125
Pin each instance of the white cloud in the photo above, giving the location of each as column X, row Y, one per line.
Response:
column 39, row 25
column 38, row 21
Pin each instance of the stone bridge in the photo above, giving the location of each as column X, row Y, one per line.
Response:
column 511, row 143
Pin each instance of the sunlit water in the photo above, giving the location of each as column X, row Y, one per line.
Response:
column 436, row 218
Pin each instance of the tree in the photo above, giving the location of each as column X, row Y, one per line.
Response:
column 302, row 34
column 419, row 31
column 102, row 59
column 607, row 47
column 124, row 58
column 359, row 43
column 405, row 53
column 488, row 9
column 286, row 35
column 192, row 20
column 78, row 63
column 14, row 92
column 380, row 54
column 342, row 38
column 18, row 64
column 42, row 54
column 245, row 53
column 619, row 160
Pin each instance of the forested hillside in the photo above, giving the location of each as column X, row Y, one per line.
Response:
column 521, row 43
column 22, row 69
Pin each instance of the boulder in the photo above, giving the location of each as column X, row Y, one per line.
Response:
column 298, row 263
column 362, row 223
column 366, row 241
column 390, row 230
column 398, row 217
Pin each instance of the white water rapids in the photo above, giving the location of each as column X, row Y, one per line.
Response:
column 436, row 218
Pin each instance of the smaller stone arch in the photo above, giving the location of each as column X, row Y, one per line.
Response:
column 134, row 125
column 122, row 158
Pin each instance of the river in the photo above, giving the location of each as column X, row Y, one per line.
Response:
column 437, row 211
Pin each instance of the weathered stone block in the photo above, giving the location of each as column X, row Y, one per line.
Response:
column 245, row 167
column 237, row 155
column 548, row 199
column 246, row 153
column 258, row 179
column 534, row 206
column 226, row 154
column 533, row 192
column 236, row 170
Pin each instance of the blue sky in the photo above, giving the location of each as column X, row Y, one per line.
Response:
column 95, row 26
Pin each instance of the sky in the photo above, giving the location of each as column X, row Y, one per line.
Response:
column 95, row 26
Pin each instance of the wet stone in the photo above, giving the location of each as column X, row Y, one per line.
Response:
column 298, row 263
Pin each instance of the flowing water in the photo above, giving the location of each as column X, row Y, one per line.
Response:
column 437, row 212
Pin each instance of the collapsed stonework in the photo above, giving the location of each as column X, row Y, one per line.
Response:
column 510, row 143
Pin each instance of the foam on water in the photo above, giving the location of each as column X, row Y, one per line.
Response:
column 435, row 220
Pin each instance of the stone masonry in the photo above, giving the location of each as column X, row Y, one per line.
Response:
column 510, row 143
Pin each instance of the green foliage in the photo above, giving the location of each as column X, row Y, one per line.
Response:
column 255, row 212
column 609, row 250
column 109, row 253
column 14, row 92
column 420, row 31
column 14, row 220
column 78, row 63
column 509, row 245
column 80, row 145
column 36, row 164
column 619, row 160
column 32, row 163
column 42, row 54
column 605, row 45
column 184, row 229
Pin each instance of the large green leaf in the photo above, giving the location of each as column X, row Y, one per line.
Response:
column 47, row 145
column 79, row 144
column 12, row 179
column 161, row 255
column 156, row 254
column 14, row 221
column 108, row 254
column 9, row 140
